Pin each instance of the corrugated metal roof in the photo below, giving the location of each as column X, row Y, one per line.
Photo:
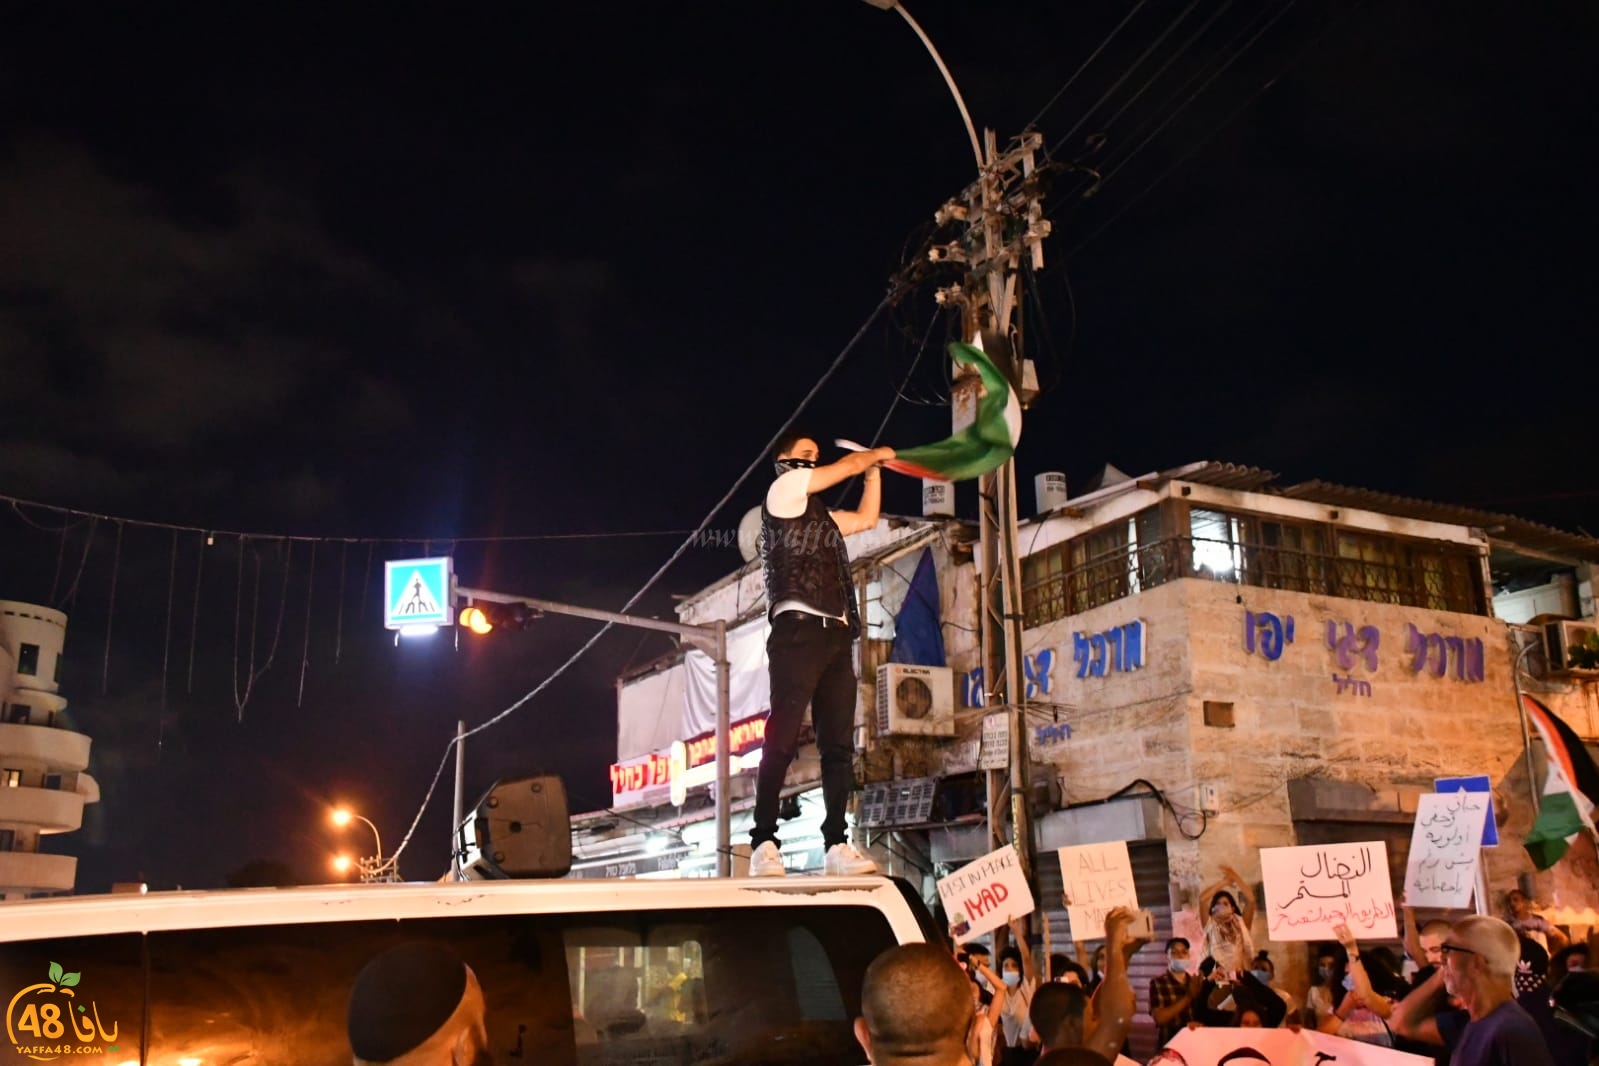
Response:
column 1499, row 527
column 1223, row 476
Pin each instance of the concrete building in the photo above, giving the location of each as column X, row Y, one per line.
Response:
column 1216, row 663
column 43, row 762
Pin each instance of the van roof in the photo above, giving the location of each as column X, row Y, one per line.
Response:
column 64, row 916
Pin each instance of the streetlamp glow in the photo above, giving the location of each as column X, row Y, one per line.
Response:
column 341, row 864
column 376, row 868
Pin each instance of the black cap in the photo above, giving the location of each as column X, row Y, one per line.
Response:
column 401, row 998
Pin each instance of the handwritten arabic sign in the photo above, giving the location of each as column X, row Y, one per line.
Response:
column 983, row 895
column 1444, row 847
column 1098, row 879
column 1479, row 783
column 1311, row 889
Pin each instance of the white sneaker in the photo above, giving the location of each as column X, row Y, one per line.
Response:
column 848, row 860
column 767, row 861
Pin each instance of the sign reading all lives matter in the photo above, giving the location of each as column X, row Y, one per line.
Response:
column 984, row 895
column 1098, row 879
column 1444, row 849
column 1313, row 888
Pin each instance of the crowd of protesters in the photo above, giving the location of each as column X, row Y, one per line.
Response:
column 1477, row 991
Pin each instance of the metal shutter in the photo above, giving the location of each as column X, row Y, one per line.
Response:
column 1153, row 880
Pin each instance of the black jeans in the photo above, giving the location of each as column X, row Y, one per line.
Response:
column 809, row 664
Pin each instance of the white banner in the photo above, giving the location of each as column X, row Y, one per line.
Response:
column 750, row 691
column 1311, row 889
column 1276, row 1047
column 984, row 895
column 1444, row 849
column 1098, row 879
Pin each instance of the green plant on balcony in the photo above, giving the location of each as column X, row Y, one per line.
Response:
column 1584, row 655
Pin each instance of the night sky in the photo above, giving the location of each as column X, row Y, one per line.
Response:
column 562, row 269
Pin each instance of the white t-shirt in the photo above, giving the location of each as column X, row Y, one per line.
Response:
column 790, row 494
column 1013, row 1017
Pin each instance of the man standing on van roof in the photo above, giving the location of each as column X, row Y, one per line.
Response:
column 811, row 648
column 418, row 1005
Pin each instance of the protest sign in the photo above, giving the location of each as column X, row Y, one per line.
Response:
column 1444, row 849
column 1477, row 783
column 983, row 895
column 1278, row 1047
column 1310, row 889
column 1098, row 879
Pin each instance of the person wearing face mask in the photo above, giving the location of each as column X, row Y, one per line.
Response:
column 1172, row 994
column 810, row 652
column 1264, row 971
column 988, row 1006
column 1017, row 971
column 1362, row 1011
column 1326, row 984
column 1227, row 936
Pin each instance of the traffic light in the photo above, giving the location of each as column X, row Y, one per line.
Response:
column 484, row 618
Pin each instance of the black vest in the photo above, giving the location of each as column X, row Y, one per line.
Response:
column 805, row 560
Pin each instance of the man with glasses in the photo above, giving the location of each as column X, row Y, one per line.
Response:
column 1479, row 968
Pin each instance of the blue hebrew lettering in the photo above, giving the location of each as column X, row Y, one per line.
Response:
column 975, row 695
column 1080, row 653
column 1096, row 667
column 1114, row 638
column 1037, row 668
column 1133, row 649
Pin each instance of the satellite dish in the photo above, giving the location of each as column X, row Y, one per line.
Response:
column 749, row 534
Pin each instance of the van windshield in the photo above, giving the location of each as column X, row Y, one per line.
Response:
column 768, row 985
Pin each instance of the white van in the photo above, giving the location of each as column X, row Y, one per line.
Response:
column 574, row 971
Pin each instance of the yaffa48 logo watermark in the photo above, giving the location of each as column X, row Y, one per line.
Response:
column 45, row 1021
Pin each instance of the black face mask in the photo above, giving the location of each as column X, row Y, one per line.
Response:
column 785, row 465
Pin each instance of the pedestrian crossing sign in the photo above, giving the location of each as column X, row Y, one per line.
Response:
column 417, row 592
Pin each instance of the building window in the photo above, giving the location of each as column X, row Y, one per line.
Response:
column 1156, row 545
column 19, row 712
column 8, row 839
column 1217, row 551
column 1096, row 568
column 52, row 781
column 28, row 659
column 11, row 778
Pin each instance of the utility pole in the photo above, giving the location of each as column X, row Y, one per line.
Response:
column 1003, row 217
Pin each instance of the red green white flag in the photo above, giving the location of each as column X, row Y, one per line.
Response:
column 1571, row 787
column 980, row 448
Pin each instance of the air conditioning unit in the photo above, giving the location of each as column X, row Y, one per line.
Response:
column 915, row 700
column 1559, row 640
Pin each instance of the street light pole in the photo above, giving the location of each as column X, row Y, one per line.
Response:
column 710, row 638
column 1002, row 211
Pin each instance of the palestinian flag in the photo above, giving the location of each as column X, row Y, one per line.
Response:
column 981, row 447
column 1570, row 791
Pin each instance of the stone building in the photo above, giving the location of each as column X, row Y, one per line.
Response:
column 1217, row 664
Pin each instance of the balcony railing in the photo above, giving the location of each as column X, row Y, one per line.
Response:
column 1432, row 580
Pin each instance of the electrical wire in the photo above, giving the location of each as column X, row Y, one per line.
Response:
column 1203, row 141
column 761, row 457
column 1197, row 92
column 1117, row 84
column 1221, row 55
column 1176, row 55
column 1091, row 57
column 17, row 503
